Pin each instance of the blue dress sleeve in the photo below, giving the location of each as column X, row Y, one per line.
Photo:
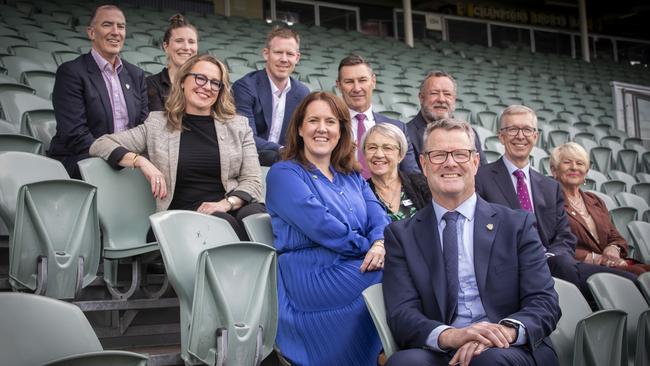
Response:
column 291, row 198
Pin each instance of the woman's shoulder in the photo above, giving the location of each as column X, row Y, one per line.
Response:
column 156, row 120
column 592, row 199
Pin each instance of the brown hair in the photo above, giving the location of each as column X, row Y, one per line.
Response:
column 224, row 107
column 175, row 22
column 281, row 32
column 343, row 157
column 353, row 60
column 449, row 124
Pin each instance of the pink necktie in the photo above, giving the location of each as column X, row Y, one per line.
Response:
column 361, row 129
column 522, row 191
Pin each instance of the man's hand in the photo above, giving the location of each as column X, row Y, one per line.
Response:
column 466, row 352
column 485, row 333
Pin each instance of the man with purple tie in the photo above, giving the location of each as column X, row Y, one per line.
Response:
column 512, row 182
column 356, row 82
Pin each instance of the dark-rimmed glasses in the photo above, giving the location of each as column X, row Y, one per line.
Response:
column 201, row 80
column 440, row 156
column 514, row 131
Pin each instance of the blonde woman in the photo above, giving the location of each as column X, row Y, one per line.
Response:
column 200, row 155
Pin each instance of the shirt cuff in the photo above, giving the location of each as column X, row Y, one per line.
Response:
column 116, row 156
column 522, row 336
column 432, row 339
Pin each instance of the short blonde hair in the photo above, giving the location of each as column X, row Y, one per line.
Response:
column 570, row 149
column 390, row 131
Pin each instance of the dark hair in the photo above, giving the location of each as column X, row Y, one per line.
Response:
column 102, row 7
column 175, row 22
column 353, row 60
column 282, row 32
column 343, row 158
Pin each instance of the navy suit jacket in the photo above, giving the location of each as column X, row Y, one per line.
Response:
column 494, row 184
column 254, row 101
column 409, row 164
column 415, row 132
column 82, row 107
column 511, row 273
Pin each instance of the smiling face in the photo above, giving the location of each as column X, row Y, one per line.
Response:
column 107, row 33
column 181, row 46
column 437, row 98
column 320, row 131
column 450, row 182
column 518, row 147
column 356, row 83
column 281, row 57
column 570, row 171
column 200, row 98
column 381, row 161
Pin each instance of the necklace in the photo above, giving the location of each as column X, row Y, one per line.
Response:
column 579, row 205
column 392, row 196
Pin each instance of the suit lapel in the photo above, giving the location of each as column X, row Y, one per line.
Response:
column 536, row 181
column 98, row 81
column 420, row 126
column 174, row 140
column 427, row 239
column 290, row 105
column 127, row 89
column 266, row 98
column 486, row 224
column 224, row 154
column 503, row 181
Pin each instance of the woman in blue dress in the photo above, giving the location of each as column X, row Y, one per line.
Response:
column 329, row 230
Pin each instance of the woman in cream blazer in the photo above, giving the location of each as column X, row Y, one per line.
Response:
column 200, row 155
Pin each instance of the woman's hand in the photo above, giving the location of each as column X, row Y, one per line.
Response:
column 154, row 176
column 211, row 207
column 611, row 261
column 374, row 259
column 612, row 251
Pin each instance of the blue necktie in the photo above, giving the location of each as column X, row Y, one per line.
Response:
column 450, row 256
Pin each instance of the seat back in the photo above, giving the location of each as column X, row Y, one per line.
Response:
column 621, row 216
column 37, row 329
column 628, row 179
column 24, row 168
column 644, row 283
column 643, row 339
column 640, row 232
column 632, row 200
column 574, row 308
column 16, row 142
column 102, row 358
column 15, row 105
column 601, row 157
column 124, row 203
column 374, row 298
column 43, row 209
column 258, row 227
column 616, row 292
column 182, row 236
column 235, row 307
column 601, row 340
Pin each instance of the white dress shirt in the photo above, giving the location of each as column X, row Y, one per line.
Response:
column 279, row 103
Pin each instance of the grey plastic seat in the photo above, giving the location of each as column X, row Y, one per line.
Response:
column 182, row 236
column 235, row 305
column 16, row 105
column 124, row 203
column 42, row 126
column 612, row 187
column 632, row 200
column 615, row 292
column 627, row 160
column 640, row 232
column 601, row 158
column 623, row 176
column 38, row 330
column 17, row 142
column 597, row 177
column 644, row 283
column 643, row 339
column 621, row 216
column 643, row 177
column 43, row 257
column 42, row 81
column 374, row 298
column 642, row 190
column 258, row 227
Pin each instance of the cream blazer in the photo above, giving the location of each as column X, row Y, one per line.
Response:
column 240, row 167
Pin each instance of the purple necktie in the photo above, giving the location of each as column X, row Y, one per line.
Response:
column 522, row 191
column 361, row 129
column 450, row 258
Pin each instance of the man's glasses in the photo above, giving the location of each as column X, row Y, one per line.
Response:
column 388, row 149
column 440, row 156
column 201, row 80
column 514, row 131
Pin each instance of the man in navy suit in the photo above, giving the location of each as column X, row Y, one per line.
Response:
column 465, row 280
column 355, row 82
column 511, row 182
column 96, row 93
column 437, row 101
column 268, row 97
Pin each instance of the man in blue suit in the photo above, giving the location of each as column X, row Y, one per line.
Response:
column 268, row 97
column 437, row 101
column 466, row 281
column 511, row 182
column 96, row 93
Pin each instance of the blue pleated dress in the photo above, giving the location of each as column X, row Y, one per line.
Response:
column 323, row 230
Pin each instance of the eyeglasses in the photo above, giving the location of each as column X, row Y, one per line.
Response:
column 440, row 156
column 514, row 131
column 201, row 80
column 388, row 149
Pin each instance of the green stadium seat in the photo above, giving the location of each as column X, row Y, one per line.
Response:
column 374, row 298
column 258, row 227
column 16, row 142
column 640, row 233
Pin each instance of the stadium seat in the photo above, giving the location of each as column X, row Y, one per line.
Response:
column 258, row 227
column 182, row 237
column 43, row 257
column 612, row 187
column 626, row 160
column 16, row 105
column 41, row 81
column 644, row 283
column 39, row 330
column 610, row 202
column 642, row 190
column 374, row 298
column 640, row 233
column 16, row 142
column 601, row 158
column 621, row 216
column 632, row 200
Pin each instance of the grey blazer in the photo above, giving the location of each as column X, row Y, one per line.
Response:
column 240, row 168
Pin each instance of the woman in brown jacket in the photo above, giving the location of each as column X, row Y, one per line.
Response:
column 598, row 240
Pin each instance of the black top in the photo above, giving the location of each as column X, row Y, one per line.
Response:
column 415, row 191
column 198, row 175
column 158, row 87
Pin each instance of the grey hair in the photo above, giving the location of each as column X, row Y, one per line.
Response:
column 93, row 16
column 517, row 109
column 390, row 131
column 437, row 74
column 449, row 124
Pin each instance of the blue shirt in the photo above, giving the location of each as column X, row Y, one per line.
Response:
column 470, row 307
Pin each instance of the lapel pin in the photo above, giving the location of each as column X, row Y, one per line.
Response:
column 127, row 86
column 489, row 227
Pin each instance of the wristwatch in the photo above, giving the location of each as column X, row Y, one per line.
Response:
column 513, row 325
